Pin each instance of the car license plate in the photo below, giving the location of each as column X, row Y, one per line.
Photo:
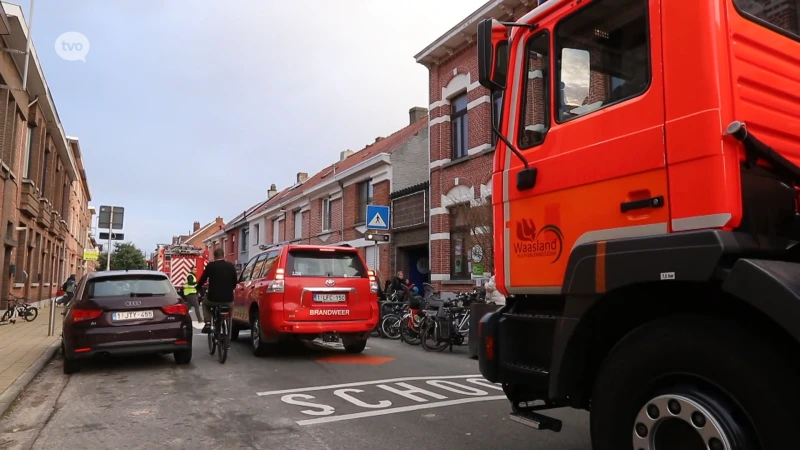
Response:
column 132, row 315
column 330, row 298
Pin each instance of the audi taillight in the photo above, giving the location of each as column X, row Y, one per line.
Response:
column 178, row 309
column 80, row 315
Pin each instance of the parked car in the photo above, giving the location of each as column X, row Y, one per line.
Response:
column 306, row 292
column 119, row 313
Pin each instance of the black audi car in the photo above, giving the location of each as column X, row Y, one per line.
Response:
column 118, row 313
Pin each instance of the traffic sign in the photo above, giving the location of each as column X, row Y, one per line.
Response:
column 377, row 217
column 111, row 217
column 114, row 236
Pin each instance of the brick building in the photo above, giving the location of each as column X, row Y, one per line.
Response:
column 329, row 208
column 461, row 149
column 44, row 212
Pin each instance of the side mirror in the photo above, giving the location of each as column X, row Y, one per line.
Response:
column 492, row 55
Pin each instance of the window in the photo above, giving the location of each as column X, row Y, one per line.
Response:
column 26, row 168
column 318, row 263
column 459, row 243
column 782, row 16
column 248, row 270
column 276, row 231
column 298, row 224
column 459, row 126
column 43, row 183
column 257, row 233
column 243, row 242
column 130, row 286
column 603, row 57
column 327, row 212
column 264, row 263
column 366, row 192
column 535, row 110
column 497, row 111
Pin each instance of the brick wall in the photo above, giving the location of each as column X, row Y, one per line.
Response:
column 410, row 162
column 455, row 75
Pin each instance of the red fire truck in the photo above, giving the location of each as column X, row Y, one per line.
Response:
column 647, row 220
column 178, row 260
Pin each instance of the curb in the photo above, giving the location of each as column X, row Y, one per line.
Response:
column 8, row 397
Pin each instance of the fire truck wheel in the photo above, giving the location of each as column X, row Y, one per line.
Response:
column 690, row 382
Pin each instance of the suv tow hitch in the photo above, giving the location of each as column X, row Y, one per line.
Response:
column 527, row 415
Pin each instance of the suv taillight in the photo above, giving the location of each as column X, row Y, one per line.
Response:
column 178, row 309
column 275, row 286
column 80, row 315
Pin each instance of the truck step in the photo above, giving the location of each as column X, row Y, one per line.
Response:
column 526, row 368
column 532, row 317
column 529, row 417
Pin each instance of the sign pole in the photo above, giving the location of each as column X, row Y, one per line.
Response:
column 110, row 225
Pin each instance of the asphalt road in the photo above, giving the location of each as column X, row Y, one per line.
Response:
column 312, row 397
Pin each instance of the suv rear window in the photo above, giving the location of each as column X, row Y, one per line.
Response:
column 133, row 286
column 322, row 263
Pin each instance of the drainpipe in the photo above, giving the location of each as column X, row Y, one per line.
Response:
column 28, row 49
column 341, row 187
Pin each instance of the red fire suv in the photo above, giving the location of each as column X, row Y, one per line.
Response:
column 306, row 292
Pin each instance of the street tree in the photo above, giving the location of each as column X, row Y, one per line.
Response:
column 126, row 256
column 474, row 219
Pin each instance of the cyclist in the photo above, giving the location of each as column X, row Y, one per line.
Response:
column 222, row 278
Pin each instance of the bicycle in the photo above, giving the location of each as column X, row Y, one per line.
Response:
column 446, row 324
column 21, row 308
column 219, row 335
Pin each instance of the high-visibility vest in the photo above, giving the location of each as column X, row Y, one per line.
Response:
column 191, row 285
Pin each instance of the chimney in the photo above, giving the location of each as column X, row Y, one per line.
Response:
column 378, row 139
column 219, row 222
column 416, row 113
column 196, row 227
column 301, row 177
column 273, row 190
column 345, row 154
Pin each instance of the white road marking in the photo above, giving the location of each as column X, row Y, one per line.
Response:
column 398, row 409
column 197, row 326
column 363, row 383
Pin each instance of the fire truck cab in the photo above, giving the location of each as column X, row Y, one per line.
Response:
column 646, row 219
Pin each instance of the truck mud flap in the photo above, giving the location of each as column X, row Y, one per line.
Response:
column 488, row 362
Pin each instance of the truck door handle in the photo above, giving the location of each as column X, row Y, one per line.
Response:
column 654, row 202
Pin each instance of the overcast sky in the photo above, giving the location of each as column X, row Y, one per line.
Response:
column 190, row 109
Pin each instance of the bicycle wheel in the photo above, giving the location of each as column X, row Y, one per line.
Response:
column 390, row 326
column 30, row 313
column 212, row 342
column 8, row 314
column 429, row 336
column 224, row 341
column 407, row 334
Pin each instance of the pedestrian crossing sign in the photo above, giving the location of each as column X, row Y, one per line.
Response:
column 377, row 217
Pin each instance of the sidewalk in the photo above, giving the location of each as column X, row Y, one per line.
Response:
column 25, row 348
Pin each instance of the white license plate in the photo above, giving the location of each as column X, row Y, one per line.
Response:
column 330, row 298
column 132, row 315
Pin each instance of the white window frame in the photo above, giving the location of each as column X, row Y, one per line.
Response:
column 257, row 233
column 298, row 224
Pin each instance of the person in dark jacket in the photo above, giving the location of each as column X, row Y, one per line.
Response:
column 222, row 279
column 69, row 290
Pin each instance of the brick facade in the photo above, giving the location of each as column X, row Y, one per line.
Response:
column 466, row 179
column 44, row 212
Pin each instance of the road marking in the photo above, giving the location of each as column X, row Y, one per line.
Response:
column 363, row 383
column 197, row 326
column 355, row 359
column 398, row 409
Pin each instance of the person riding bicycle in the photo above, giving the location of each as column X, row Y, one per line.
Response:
column 222, row 278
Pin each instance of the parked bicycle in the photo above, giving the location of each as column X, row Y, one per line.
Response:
column 446, row 323
column 220, row 337
column 20, row 308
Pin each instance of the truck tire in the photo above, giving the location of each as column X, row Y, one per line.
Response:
column 671, row 377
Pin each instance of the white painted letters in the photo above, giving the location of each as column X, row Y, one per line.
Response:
column 410, row 391
column 326, row 410
column 457, row 388
column 484, row 382
column 343, row 393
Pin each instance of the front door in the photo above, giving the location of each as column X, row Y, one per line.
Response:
column 588, row 114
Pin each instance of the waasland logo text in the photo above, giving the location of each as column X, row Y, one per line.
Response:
column 533, row 243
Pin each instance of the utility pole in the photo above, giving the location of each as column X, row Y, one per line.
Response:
column 110, row 233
